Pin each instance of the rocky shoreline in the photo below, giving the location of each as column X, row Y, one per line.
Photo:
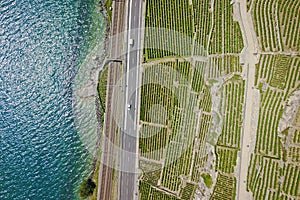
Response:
column 99, row 109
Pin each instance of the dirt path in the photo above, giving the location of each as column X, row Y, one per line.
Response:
column 249, row 60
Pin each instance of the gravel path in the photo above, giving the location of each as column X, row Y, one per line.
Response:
column 249, row 60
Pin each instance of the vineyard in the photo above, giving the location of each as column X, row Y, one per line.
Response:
column 175, row 125
column 152, row 193
column 177, row 16
column 228, row 144
column 215, row 28
column 194, row 79
column 176, row 114
column 226, row 35
column 233, row 93
column 211, row 25
column 277, row 24
column 274, row 167
column 167, row 135
column 226, row 159
column 225, row 188
column 278, row 70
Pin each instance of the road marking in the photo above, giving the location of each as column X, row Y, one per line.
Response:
column 128, row 178
column 127, row 73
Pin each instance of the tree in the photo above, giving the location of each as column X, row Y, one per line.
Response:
column 86, row 188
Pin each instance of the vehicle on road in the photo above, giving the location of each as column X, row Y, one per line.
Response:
column 128, row 107
column 131, row 42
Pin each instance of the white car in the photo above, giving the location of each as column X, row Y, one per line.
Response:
column 131, row 42
column 128, row 107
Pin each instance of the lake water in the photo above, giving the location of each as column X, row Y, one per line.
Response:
column 42, row 46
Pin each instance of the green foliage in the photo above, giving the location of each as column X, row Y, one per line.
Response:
column 86, row 188
column 207, row 180
column 101, row 88
column 108, row 6
column 144, row 190
column 95, row 178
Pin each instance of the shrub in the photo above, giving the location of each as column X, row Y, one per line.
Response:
column 86, row 188
column 207, row 180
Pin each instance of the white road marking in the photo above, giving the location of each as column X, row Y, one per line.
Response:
column 128, row 50
column 133, row 88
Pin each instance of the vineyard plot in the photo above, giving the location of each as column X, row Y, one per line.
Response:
column 181, row 93
column 277, row 24
column 276, row 154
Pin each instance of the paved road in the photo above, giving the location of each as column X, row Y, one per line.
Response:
column 129, row 138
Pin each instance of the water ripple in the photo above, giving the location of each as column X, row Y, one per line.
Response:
column 41, row 155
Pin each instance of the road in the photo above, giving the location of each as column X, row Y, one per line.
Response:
column 128, row 160
column 250, row 42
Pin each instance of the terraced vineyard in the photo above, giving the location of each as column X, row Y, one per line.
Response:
column 177, row 117
column 177, row 16
column 211, row 25
column 275, row 158
column 225, row 188
column 176, row 137
column 167, row 135
column 277, row 24
column 175, row 128
column 193, row 97
column 228, row 144
column 274, row 166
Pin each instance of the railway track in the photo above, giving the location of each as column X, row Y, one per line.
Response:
column 105, row 186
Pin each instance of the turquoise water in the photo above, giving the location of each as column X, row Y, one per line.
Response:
column 41, row 45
